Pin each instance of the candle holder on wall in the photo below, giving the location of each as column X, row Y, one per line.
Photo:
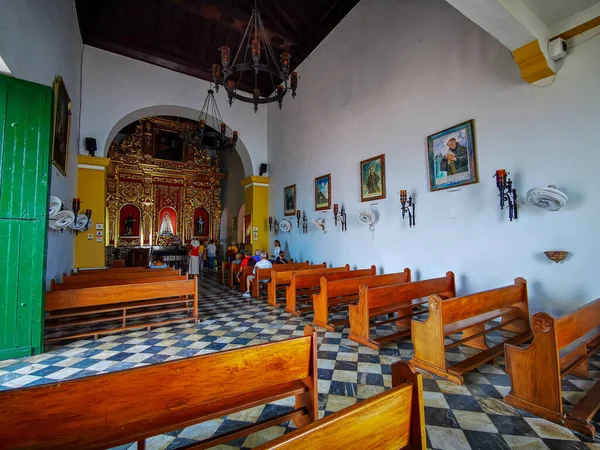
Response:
column 408, row 207
column 339, row 216
column 298, row 217
column 304, row 223
column 275, row 223
column 508, row 195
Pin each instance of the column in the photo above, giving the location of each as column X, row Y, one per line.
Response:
column 91, row 190
column 257, row 205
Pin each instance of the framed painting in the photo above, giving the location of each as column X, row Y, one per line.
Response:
column 323, row 192
column 247, row 229
column 62, row 126
column 289, row 200
column 451, row 155
column 372, row 179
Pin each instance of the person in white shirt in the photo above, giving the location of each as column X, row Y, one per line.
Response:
column 277, row 249
column 211, row 254
column 264, row 263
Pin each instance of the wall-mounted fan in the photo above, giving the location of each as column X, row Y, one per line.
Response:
column 550, row 198
column 367, row 217
column 62, row 220
column 320, row 224
column 285, row 226
column 54, row 206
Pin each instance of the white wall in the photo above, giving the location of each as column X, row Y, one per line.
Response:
column 116, row 87
column 232, row 192
column 38, row 41
column 393, row 73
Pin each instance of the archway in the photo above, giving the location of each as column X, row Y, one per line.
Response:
column 180, row 111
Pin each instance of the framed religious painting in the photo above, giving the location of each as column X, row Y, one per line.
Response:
column 451, row 155
column 289, row 200
column 61, row 114
column 372, row 179
column 323, row 192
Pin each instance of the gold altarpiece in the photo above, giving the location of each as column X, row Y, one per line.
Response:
column 138, row 179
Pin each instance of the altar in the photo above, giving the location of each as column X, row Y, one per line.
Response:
column 163, row 189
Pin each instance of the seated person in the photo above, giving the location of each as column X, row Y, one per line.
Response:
column 256, row 256
column 237, row 259
column 246, row 258
column 159, row 264
column 264, row 263
column 281, row 258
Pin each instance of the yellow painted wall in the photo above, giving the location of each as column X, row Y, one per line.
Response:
column 257, row 204
column 91, row 190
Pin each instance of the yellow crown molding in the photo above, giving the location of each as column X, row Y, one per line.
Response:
column 255, row 181
column 532, row 62
column 84, row 160
column 575, row 31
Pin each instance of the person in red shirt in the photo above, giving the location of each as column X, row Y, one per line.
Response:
column 194, row 258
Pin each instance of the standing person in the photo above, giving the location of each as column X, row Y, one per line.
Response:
column 211, row 254
column 194, row 258
column 277, row 249
column 264, row 263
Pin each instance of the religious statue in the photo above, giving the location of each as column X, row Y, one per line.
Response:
column 166, row 226
column 129, row 222
column 200, row 227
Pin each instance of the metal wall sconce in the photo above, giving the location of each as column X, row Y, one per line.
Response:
column 274, row 225
column 304, row 223
column 339, row 216
column 298, row 216
column 507, row 195
column 408, row 207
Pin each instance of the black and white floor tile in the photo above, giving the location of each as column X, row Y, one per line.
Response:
column 472, row 416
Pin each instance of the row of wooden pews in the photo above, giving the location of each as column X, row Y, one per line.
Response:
column 118, row 408
column 110, row 300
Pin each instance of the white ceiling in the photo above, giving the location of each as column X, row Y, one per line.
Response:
column 552, row 11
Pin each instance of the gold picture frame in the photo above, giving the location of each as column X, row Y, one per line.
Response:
column 61, row 118
column 323, row 192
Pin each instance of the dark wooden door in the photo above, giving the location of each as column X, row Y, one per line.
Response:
column 25, row 120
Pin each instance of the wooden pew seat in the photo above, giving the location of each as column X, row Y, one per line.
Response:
column 109, row 410
column 469, row 315
column 112, row 282
column 560, row 347
column 391, row 420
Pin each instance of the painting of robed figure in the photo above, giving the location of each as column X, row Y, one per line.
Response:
column 372, row 179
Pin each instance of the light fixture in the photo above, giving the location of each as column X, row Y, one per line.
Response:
column 408, row 207
column 212, row 130
column 304, row 223
column 274, row 225
column 507, row 195
column 339, row 216
column 298, row 216
column 255, row 63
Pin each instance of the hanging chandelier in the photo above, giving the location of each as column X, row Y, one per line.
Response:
column 255, row 62
column 212, row 131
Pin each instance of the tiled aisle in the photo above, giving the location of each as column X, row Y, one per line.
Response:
column 472, row 416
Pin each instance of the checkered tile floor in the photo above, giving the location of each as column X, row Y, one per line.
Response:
column 472, row 416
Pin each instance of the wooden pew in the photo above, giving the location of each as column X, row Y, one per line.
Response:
column 397, row 298
column 96, row 283
column 106, row 304
column 225, row 267
column 391, row 420
column 281, row 278
column 108, row 270
column 249, row 269
column 468, row 315
column 339, row 294
column 560, row 347
column 283, row 273
column 92, row 276
column 306, row 283
column 235, row 268
column 109, row 410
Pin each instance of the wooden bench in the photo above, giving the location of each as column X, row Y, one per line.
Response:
column 468, row 315
column 109, row 410
column 281, row 278
column 96, row 283
column 394, row 419
column 398, row 298
column 283, row 272
column 146, row 273
column 306, row 283
column 225, row 267
column 560, row 347
column 108, row 270
column 338, row 294
column 119, row 303
column 248, row 270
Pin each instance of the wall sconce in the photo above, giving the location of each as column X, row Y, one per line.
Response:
column 276, row 227
column 273, row 225
column 507, row 194
column 304, row 223
column 298, row 215
column 76, row 206
column 408, row 207
column 339, row 216
column 270, row 223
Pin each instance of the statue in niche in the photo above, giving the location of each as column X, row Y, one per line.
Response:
column 129, row 222
column 166, row 226
column 200, row 227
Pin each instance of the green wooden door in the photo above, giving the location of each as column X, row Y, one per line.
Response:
column 25, row 118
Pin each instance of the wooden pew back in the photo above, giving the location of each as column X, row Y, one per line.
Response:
column 388, row 421
column 146, row 273
column 284, row 275
column 108, row 270
column 350, row 286
column 107, row 295
column 312, row 278
column 97, row 283
column 462, row 308
column 576, row 324
column 108, row 410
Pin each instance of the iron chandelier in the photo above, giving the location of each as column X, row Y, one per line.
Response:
column 258, row 61
column 212, row 130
